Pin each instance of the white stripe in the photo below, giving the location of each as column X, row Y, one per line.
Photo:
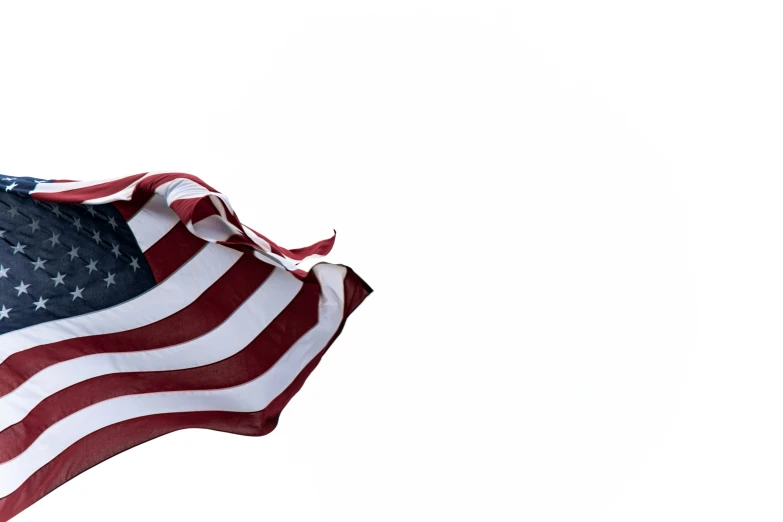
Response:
column 123, row 195
column 217, row 227
column 257, row 239
column 179, row 188
column 213, row 228
column 266, row 254
column 269, row 257
column 184, row 188
column 152, row 222
column 228, row 339
column 250, row 397
column 216, row 203
column 71, row 185
column 178, row 291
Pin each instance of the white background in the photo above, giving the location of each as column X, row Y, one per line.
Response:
column 570, row 212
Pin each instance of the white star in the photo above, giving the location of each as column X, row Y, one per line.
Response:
column 54, row 239
column 38, row 263
column 77, row 293
column 96, row 237
column 74, row 253
column 92, row 266
column 4, row 312
column 4, row 272
column 113, row 223
column 41, row 303
column 59, row 280
column 19, row 248
column 110, row 280
column 91, row 210
column 22, row 288
column 56, row 210
column 116, row 251
column 78, row 224
column 14, row 211
column 34, row 225
column 2, row 233
column 135, row 264
column 11, row 186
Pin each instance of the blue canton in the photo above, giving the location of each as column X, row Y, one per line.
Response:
column 62, row 260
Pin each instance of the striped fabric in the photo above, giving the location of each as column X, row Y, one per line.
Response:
column 137, row 306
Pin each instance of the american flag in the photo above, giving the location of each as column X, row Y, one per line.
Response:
column 137, row 306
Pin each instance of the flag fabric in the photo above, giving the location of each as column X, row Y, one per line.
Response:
column 137, row 306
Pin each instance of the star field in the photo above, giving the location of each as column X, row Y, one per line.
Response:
column 62, row 260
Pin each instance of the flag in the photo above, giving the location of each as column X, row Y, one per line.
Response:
column 137, row 306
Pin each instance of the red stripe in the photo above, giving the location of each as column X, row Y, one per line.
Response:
column 194, row 209
column 355, row 292
column 117, row 438
column 172, row 251
column 239, row 242
column 150, row 183
column 128, row 209
column 86, row 193
column 100, row 190
column 250, row 363
column 208, row 311
column 190, row 210
column 141, row 193
column 321, row 248
column 112, row 440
